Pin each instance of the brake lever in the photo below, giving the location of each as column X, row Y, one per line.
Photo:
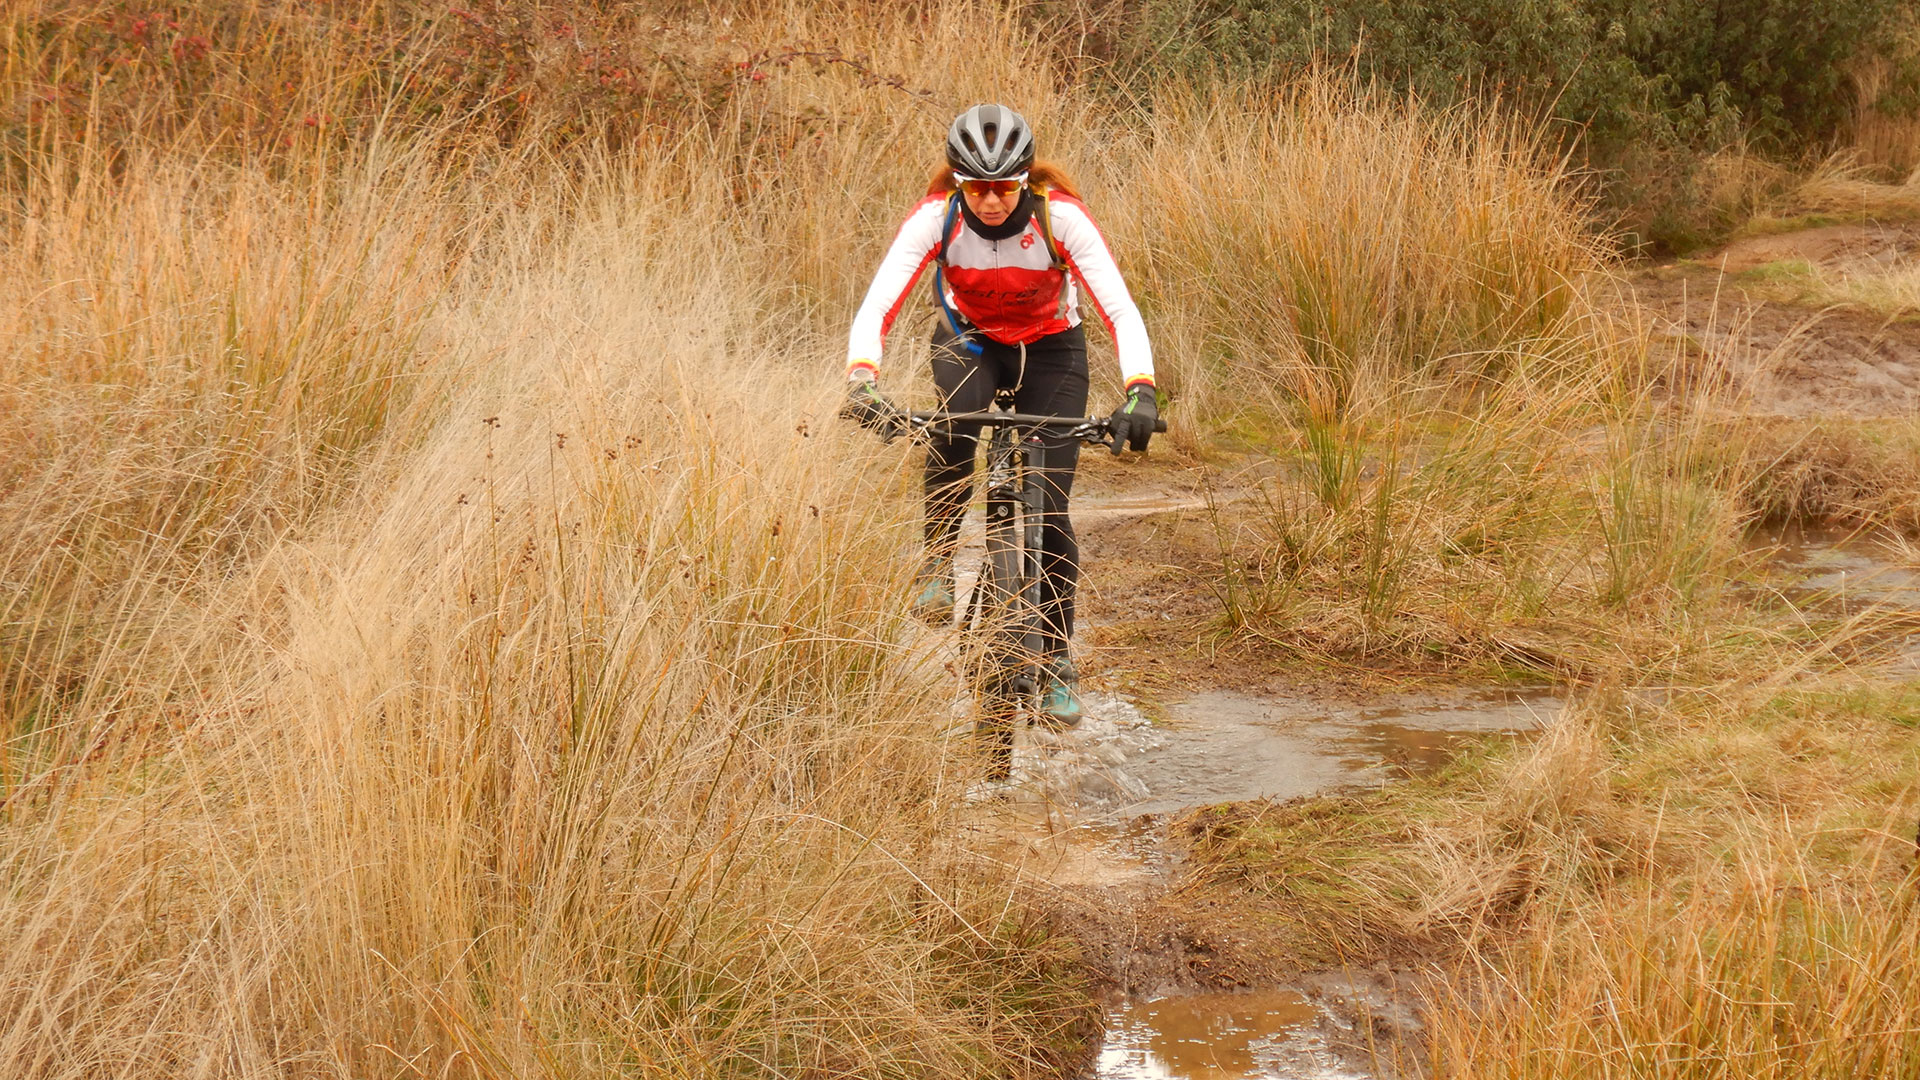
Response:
column 900, row 423
column 1093, row 435
column 918, row 428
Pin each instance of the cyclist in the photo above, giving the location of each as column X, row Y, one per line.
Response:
column 1013, row 246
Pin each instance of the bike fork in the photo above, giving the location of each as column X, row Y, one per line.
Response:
column 1006, row 681
column 1015, row 532
column 1032, row 473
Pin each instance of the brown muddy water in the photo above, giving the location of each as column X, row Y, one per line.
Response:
column 1225, row 1036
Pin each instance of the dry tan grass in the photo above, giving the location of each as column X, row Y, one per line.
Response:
column 1881, row 137
column 1839, row 187
column 1317, row 247
column 447, row 633
column 1759, row 922
column 444, row 631
column 535, row 722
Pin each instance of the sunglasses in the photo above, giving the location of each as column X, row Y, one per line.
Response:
column 982, row 188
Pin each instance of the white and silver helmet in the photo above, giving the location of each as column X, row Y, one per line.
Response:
column 990, row 142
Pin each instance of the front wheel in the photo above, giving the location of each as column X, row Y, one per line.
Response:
column 996, row 635
column 999, row 667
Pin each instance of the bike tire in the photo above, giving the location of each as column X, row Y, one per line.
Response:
column 999, row 627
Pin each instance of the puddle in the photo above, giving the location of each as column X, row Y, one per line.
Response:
column 1090, row 812
column 1225, row 746
column 1835, row 565
column 1218, row 1037
column 1089, row 807
column 1844, row 572
column 1089, row 772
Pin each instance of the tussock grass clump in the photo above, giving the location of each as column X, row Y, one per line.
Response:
column 1783, row 974
column 1841, row 186
column 1887, row 137
column 1896, row 294
column 1429, row 868
column 1742, row 193
column 552, row 731
column 1761, row 924
column 198, row 361
column 1856, row 472
column 1316, row 246
column 1584, row 511
column 627, row 705
column 1483, row 468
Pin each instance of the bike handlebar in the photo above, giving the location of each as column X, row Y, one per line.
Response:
column 1087, row 429
column 1001, row 417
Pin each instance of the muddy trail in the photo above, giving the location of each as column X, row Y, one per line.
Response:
column 1100, row 816
column 1792, row 357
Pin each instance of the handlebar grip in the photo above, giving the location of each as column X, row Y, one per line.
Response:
column 1159, row 425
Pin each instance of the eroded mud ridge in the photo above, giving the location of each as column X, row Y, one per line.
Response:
column 1793, row 360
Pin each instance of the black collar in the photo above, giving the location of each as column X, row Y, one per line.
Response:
column 1016, row 222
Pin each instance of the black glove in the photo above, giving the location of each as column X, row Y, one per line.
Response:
column 1132, row 424
column 870, row 409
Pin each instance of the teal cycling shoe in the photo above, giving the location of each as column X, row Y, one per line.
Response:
column 1060, row 706
column 933, row 596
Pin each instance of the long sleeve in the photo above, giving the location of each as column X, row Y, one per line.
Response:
column 912, row 249
column 1087, row 255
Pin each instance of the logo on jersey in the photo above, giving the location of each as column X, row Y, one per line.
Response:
column 1026, row 241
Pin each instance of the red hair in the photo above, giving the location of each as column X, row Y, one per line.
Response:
column 1043, row 176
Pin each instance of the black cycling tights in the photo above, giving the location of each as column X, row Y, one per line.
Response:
column 1052, row 381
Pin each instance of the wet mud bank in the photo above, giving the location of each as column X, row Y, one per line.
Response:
column 1106, row 814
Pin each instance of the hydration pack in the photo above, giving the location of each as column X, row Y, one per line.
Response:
column 955, row 323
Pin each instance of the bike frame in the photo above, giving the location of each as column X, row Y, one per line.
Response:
column 1002, row 618
column 1015, row 501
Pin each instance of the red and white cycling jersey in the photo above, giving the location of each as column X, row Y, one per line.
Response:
column 1009, row 288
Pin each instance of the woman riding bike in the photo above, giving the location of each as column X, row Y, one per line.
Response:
column 1013, row 246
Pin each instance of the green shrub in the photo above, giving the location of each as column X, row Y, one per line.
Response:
column 1624, row 70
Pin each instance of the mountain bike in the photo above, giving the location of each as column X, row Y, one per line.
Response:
column 1001, row 625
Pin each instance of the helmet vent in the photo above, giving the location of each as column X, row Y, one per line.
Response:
column 990, row 142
